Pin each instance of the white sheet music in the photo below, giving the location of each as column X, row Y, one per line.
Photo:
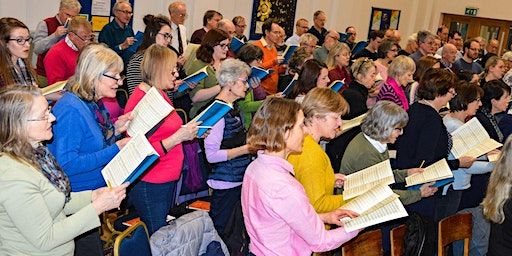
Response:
column 390, row 211
column 150, row 110
column 359, row 182
column 372, row 199
column 436, row 171
column 354, row 122
column 471, row 139
column 127, row 160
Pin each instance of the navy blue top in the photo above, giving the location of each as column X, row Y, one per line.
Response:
column 113, row 35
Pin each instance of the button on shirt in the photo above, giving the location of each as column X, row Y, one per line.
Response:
column 278, row 215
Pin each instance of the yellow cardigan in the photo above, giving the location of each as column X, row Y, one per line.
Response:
column 314, row 171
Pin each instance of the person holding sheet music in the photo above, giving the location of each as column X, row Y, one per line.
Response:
column 400, row 73
column 322, row 108
column 495, row 100
column 469, row 184
column 497, row 207
column 356, row 95
column 278, row 215
column 227, row 151
column 425, row 138
column 295, row 64
column 154, row 194
column 39, row 214
column 212, row 51
column 338, row 62
column 85, row 139
column 313, row 74
column 383, row 124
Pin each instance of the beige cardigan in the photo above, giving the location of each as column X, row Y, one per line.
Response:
column 33, row 213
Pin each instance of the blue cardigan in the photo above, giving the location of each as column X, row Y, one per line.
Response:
column 78, row 143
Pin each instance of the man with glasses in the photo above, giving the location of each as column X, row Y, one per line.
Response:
column 117, row 34
column 50, row 31
column 240, row 25
column 301, row 27
column 455, row 38
column 267, row 43
column 425, row 45
column 178, row 15
column 467, row 62
column 351, row 36
column 60, row 61
column 318, row 29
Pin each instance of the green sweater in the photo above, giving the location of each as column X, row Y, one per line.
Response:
column 248, row 106
column 34, row 216
column 361, row 154
column 206, row 83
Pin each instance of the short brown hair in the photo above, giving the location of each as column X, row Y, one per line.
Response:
column 466, row 93
column 274, row 117
column 212, row 38
column 435, row 82
column 156, row 63
column 321, row 101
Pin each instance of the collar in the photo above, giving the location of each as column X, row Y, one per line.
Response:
column 60, row 22
column 174, row 26
column 381, row 147
column 70, row 43
column 279, row 164
column 116, row 25
column 264, row 43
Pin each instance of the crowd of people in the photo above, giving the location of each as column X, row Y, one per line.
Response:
column 276, row 161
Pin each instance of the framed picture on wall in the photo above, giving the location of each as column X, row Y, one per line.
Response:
column 283, row 11
column 382, row 19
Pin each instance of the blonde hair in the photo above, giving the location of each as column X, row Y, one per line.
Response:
column 322, row 101
column 274, row 117
column 93, row 62
column 498, row 189
column 157, row 63
column 401, row 65
column 335, row 51
column 16, row 102
column 362, row 66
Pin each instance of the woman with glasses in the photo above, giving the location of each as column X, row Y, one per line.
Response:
column 154, row 194
column 356, row 96
column 400, row 74
column 39, row 214
column 212, row 51
column 313, row 74
column 322, row 109
column 14, row 50
column 338, row 62
column 388, row 51
column 463, row 106
column 227, row 151
column 425, row 139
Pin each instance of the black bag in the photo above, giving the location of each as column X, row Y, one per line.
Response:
column 421, row 236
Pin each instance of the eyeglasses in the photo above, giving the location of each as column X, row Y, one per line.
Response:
column 88, row 39
column 181, row 15
column 452, row 92
column 241, row 26
column 223, row 45
column 43, row 118
column 126, row 12
column 244, row 81
column 21, row 41
column 118, row 80
column 166, row 36
column 303, row 27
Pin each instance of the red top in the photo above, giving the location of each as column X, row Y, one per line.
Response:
column 339, row 73
column 269, row 61
column 168, row 166
column 61, row 62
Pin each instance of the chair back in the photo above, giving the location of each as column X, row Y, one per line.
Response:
column 134, row 241
column 398, row 240
column 453, row 228
column 368, row 243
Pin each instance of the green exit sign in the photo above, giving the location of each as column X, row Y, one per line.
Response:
column 471, row 11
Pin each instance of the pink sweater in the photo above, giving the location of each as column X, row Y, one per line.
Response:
column 168, row 166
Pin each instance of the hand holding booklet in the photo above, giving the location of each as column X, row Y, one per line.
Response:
column 260, row 73
column 471, row 139
column 287, row 54
column 133, row 159
column 435, row 172
column 150, row 110
column 289, row 87
column 337, row 85
column 360, row 182
column 211, row 115
column 194, row 78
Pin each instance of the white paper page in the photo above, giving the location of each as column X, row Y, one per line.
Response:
column 370, row 199
column 391, row 211
column 471, row 139
column 354, row 122
column 436, row 171
column 359, row 182
column 150, row 110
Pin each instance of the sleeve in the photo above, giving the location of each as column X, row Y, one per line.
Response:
column 213, row 142
column 195, row 38
column 248, row 105
column 408, row 196
column 69, row 138
column 400, row 175
column 312, row 175
column 53, row 64
column 30, row 214
column 479, row 167
column 306, row 223
column 42, row 41
column 78, row 201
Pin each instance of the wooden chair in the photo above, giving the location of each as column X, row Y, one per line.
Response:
column 453, row 228
column 397, row 236
column 368, row 243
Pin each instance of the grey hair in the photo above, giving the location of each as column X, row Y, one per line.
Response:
column 70, row 4
column 230, row 70
column 119, row 2
column 304, row 38
column 423, row 36
column 401, row 65
column 382, row 119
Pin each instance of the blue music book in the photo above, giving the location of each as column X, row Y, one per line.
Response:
column 437, row 184
column 337, row 85
column 236, row 44
column 211, row 115
column 260, row 73
column 290, row 86
column 194, row 78
column 288, row 53
column 359, row 47
column 135, row 46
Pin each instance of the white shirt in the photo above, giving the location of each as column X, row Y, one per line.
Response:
column 293, row 40
column 183, row 32
column 381, row 147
